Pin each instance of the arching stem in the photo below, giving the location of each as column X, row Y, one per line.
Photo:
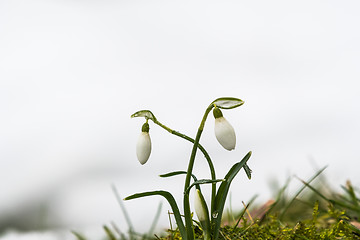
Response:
column 202, row 149
column 187, row 211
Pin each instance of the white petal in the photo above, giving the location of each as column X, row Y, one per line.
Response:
column 143, row 147
column 200, row 210
column 225, row 133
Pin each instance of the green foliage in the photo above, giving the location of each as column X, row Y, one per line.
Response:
column 221, row 195
column 307, row 218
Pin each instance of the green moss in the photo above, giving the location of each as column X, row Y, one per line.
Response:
column 329, row 226
column 274, row 229
column 322, row 220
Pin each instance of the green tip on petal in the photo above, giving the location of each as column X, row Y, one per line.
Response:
column 217, row 113
column 145, row 127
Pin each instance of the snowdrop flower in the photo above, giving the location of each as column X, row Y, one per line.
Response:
column 224, row 132
column 143, row 146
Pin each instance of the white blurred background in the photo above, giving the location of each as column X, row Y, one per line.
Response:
column 72, row 73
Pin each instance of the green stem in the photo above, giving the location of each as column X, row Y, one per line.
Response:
column 206, row 155
column 190, row 235
column 187, row 211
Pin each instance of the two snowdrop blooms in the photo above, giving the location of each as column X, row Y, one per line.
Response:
column 224, row 132
column 143, row 146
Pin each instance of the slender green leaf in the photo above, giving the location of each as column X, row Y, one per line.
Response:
column 144, row 113
column 203, row 181
column 175, row 173
column 224, row 187
column 222, row 192
column 228, row 102
column 172, row 203
column 248, row 171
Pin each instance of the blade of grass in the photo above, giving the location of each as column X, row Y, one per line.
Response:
column 350, row 190
column 300, row 190
column 243, row 211
column 169, row 197
column 117, row 229
column 110, row 235
column 78, row 235
column 155, row 221
column 230, row 212
column 123, row 209
column 344, row 198
column 171, row 228
column 332, row 201
column 353, row 228
column 278, row 198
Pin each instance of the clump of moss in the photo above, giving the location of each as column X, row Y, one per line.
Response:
column 332, row 225
column 313, row 214
column 325, row 227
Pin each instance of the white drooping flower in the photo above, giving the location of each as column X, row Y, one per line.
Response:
column 224, row 132
column 200, row 207
column 143, row 146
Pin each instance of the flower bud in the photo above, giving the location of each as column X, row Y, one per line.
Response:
column 200, row 207
column 224, row 132
column 143, row 146
column 202, row 213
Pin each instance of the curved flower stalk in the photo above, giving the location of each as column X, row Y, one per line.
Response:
column 149, row 115
column 143, row 146
column 225, row 103
column 224, row 132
